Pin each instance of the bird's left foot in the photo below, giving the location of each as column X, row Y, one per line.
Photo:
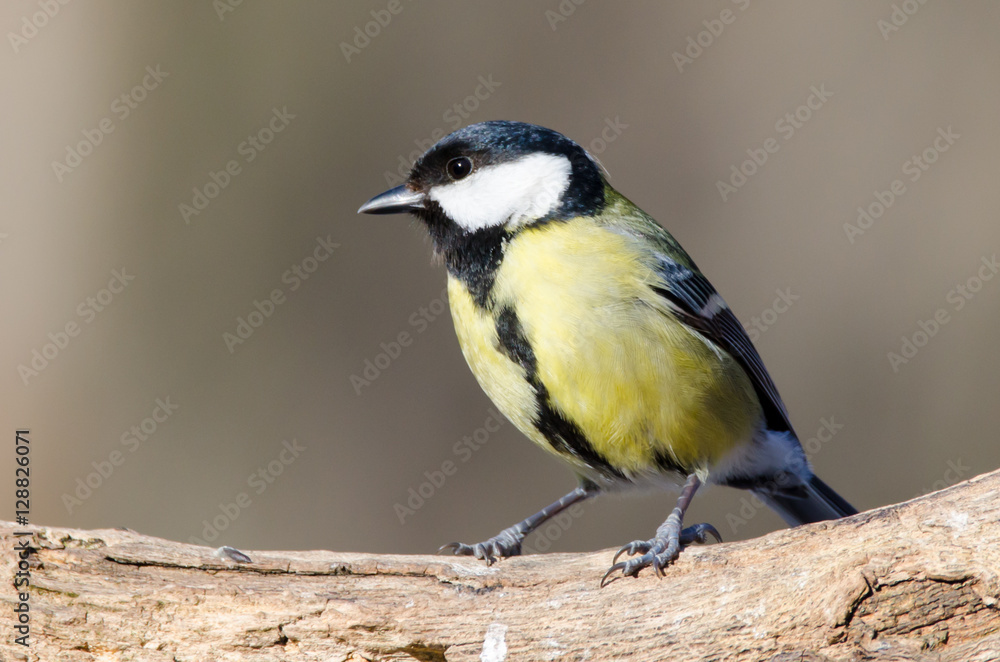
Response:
column 660, row 551
column 504, row 544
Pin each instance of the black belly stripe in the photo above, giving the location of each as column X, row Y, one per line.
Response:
column 666, row 462
column 567, row 438
column 562, row 434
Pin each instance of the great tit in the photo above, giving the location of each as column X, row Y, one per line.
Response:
column 593, row 331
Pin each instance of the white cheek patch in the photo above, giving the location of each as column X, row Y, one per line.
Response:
column 525, row 189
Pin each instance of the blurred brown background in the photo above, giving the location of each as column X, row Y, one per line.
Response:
column 670, row 95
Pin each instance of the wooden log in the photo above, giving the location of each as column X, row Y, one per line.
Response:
column 914, row 581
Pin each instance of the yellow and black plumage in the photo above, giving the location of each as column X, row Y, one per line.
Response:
column 597, row 336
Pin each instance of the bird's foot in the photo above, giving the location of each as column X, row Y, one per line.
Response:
column 660, row 551
column 504, row 544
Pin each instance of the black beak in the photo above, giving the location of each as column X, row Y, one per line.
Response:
column 394, row 201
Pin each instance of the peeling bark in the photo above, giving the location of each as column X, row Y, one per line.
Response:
column 914, row 581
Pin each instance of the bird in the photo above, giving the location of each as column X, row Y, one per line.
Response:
column 598, row 337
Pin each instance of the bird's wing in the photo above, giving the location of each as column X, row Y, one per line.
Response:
column 698, row 306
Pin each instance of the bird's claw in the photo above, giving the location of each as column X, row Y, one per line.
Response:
column 658, row 552
column 699, row 534
column 499, row 546
column 633, row 548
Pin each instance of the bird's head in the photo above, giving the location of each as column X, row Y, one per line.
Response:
column 496, row 175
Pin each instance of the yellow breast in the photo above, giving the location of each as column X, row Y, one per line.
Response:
column 615, row 363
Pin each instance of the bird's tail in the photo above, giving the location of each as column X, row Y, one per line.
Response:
column 815, row 502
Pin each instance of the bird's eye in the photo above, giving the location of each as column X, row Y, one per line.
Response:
column 459, row 167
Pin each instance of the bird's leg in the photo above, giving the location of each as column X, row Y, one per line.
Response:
column 663, row 549
column 508, row 542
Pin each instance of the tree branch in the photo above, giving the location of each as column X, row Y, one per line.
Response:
column 915, row 581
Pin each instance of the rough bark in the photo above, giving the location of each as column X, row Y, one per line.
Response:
column 915, row 581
